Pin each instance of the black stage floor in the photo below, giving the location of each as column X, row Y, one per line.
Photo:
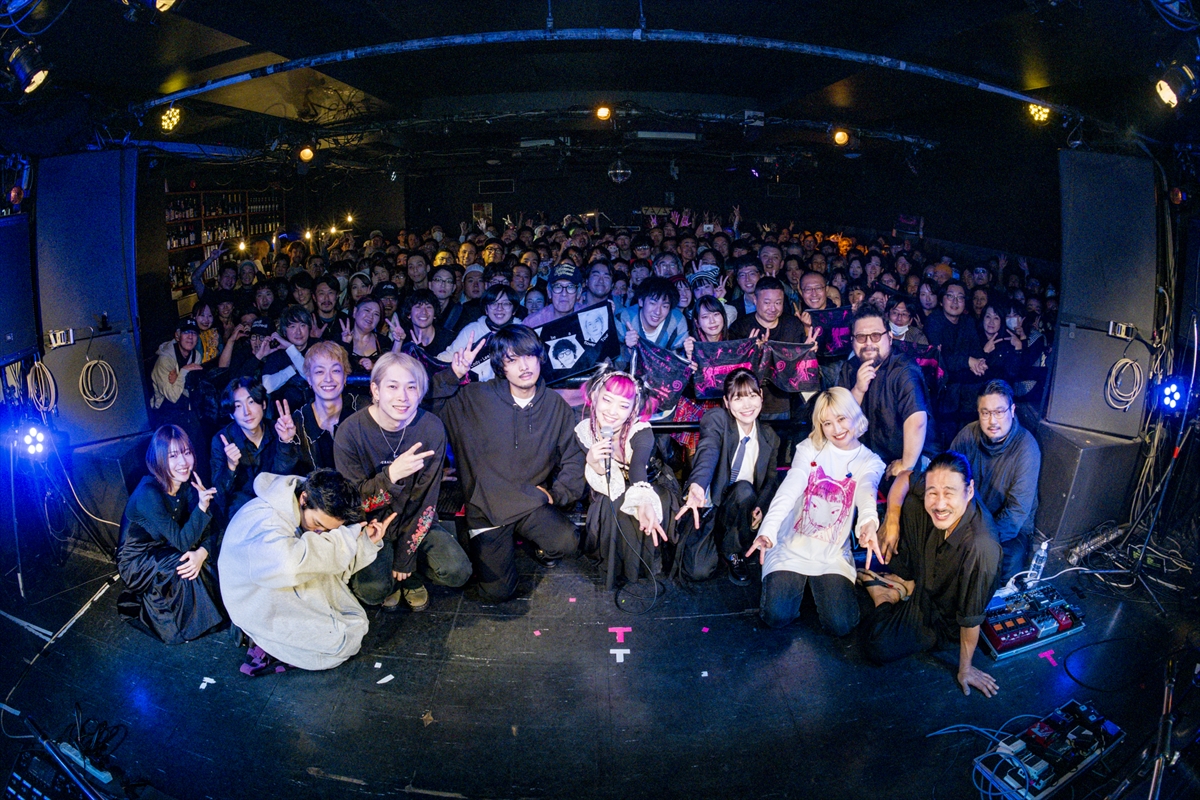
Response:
column 529, row 699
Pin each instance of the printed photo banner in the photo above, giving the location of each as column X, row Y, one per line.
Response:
column 715, row 360
column 664, row 374
column 928, row 358
column 576, row 344
column 832, row 328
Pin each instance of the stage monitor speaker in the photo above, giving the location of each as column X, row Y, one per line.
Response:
column 18, row 323
column 94, row 251
column 1085, row 480
column 1109, row 240
column 1189, row 300
column 106, row 474
column 1079, row 373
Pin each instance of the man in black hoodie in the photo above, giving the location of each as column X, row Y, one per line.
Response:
column 520, row 463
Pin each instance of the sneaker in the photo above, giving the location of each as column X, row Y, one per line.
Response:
column 391, row 603
column 539, row 555
column 739, row 573
column 417, row 598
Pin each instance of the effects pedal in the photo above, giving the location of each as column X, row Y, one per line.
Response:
column 1027, row 620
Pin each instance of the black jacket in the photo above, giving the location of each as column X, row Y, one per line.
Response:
column 719, row 439
column 504, row 452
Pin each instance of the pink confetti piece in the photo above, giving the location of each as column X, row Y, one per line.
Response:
column 571, row 600
column 704, row 630
column 537, row 633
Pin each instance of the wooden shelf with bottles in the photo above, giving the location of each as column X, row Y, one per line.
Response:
column 200, row 221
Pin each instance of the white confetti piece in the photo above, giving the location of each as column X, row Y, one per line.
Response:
column 378, row 665
column 704, row 674
column 385, row 679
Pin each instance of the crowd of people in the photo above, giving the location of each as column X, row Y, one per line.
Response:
column 357, row 382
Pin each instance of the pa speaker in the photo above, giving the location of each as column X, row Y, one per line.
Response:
column 1109, row 241
column 1085, row 480
column 1082, row 361
column 105, row 475
column 18, row 324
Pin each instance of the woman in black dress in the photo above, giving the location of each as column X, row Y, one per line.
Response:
column 166, row 539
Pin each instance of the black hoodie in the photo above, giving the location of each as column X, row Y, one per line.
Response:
column 504, row 452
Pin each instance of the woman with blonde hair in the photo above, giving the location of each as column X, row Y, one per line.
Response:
column 804, row 539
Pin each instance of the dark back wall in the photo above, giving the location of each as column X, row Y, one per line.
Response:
column 999, row 191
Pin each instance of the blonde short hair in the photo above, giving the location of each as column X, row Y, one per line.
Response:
column 839, row 401
column 404, row 361
column 330, row 350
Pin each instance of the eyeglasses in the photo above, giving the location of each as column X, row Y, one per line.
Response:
column 444, row 281
column 505, row 306
column 863, row 338
column 563, row 288
column 985, row 414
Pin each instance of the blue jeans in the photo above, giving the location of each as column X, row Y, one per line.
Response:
column 783, row 591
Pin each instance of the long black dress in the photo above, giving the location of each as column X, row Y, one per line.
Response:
column 156, row 530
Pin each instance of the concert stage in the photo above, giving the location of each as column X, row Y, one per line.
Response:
column 561, row 695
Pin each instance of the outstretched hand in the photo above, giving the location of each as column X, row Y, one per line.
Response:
column 375, row 530
column 971, row 677
column 464, row 358
column 694, row 502
column 410, row 462
column 649, row 525
column 868, row 537
column 762, row 544
column 285, row 426
column 205, row 495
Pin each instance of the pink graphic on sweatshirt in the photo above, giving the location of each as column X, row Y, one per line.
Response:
column 828, row 503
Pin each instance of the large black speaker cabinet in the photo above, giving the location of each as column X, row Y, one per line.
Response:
column 1109, row 274
column 106, row 474
column 99, row 218
column 1109, row 240
column 1086, row 479
column 18, row 324
column 1082, row 359
column 1189, row 300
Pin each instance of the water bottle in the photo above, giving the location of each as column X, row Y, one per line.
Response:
column 1039, row 564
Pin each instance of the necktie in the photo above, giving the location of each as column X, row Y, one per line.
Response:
column 738, row 456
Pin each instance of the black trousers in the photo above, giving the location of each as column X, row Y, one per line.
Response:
column 733, row 518
column 899, row 630
column 494, row 556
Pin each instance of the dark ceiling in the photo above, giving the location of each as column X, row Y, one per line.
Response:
column 441, row 106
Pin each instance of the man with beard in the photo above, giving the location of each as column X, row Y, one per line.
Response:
column 516, row 451
column 393, row 452
column 325, row 296
column 891, row 390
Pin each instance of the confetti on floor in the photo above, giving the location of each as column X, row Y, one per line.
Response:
column 427, row 718
column 385, row 679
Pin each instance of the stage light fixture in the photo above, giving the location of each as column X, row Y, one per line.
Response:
column 1177, row 85
column 1039, row 114
column 241, row 245
column 28, row 69
column 603, row 113
column 30, row 441
column 841, row 137
column 1172, row 395
column 349, row 219
column 306, row 152
column 308, row 234
column 170, row 119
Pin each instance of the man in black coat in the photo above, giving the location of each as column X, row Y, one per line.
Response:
column 733, row 479
column 517, row 454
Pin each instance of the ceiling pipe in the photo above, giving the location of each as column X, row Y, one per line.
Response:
column 598, row 35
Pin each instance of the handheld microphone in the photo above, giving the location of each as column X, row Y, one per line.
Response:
column 607, row 433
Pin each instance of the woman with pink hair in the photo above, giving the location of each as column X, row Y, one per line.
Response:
column 633, row 497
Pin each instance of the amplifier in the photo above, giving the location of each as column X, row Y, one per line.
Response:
column 1027, row 620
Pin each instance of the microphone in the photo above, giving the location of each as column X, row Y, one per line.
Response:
column 607, row 433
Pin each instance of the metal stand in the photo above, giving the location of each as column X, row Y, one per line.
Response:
column 12, row 496
column 1161, row 491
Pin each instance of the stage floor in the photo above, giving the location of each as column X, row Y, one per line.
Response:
column 529, row 699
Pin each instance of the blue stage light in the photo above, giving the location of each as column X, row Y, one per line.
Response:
column 1172, row 396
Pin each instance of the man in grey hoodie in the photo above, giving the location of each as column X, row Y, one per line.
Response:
column 285, row 565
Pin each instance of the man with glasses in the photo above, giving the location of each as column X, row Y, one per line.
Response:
column 747, row 269
column 900, row 322
column 565, row 280
column 891, row 390
column 1006, row 460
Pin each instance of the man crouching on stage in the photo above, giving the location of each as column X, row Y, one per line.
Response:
column 285, row 563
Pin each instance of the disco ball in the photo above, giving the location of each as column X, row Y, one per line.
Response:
column 619, row 171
